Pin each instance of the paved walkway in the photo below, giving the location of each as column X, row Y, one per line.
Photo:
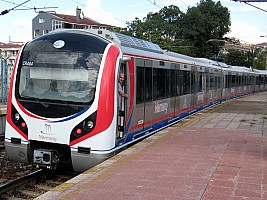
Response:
column 247, row 113
column 210, row 158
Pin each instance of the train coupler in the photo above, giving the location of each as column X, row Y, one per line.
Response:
column 45, row 158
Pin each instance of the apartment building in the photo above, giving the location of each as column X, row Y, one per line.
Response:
column 45, row 22
column 8, row 53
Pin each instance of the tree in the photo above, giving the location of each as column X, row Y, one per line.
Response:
column 259, row 60
column 185, row 33
column 162, row 27
column 236, row 57
column 208, row 20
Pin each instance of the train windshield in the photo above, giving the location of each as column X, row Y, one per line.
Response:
column 65, row 73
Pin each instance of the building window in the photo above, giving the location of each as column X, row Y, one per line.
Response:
column 56, row 25
column 41, row 20
column 36, row 33
column 45, row 31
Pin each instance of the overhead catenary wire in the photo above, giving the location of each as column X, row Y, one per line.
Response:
column 7, row 11
column 184, row 3
column 154, row 3
column 22, row 4
column 255, row 7
column 10, row 2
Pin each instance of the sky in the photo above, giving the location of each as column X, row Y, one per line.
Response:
column 248, row 24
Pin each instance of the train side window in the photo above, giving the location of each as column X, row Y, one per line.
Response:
column 226, row 81
column 193, row 82
column 218, row 81
column 167, row 82
column 184, row 82
column 178, row 82
column 230, row 80
column 211, row 86
column 200, row 82
column 140, row 85
column 148, row 84
column 173, row 82
column 257, row 80
column 181, row 82
column 207, row 75
column 160, row 83
column 234, row 78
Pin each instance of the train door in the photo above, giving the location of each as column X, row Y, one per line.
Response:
column 221, row 84
column 206, row 84
column 122, row 102
column 193, row 86
column 144, row 108
column 200, row 72
column 174, row 90
column 148, row 95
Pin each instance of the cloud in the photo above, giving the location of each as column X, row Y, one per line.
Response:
column 23, row 23
column 24, row 26
column 240, row 29
column 95, row 11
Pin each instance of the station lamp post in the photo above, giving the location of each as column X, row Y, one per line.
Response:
column 218, row 41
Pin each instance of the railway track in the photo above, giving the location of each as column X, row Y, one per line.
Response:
column 21, row 181
column 2, row 138
column 33, row 185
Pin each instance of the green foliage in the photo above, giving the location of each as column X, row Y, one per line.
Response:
column 185, row 33
column 253, row 58
column 236, row 57
column 259, row 61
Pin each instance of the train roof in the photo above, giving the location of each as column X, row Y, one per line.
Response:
column 241, row 69
column 213, row 62
column 258, row 71
column 135, row 43
column 128, row 41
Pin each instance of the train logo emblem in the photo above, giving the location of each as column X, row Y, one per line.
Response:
column 59, row 44
column 47, row 129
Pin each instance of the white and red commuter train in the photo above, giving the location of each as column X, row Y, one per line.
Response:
column 64, row 107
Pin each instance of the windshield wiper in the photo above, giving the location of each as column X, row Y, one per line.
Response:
column 70, row 105
column 42, row 103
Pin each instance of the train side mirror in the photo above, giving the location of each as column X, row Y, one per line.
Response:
column 125, row 58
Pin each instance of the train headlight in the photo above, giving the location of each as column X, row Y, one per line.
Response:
column 89, row 125
column 18, row 121
column 16, row 116
column 84, row 127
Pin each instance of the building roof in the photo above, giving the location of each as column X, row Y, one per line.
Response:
column 264, row 44
column 14, row 45
column 73, row 19
column 238, row 47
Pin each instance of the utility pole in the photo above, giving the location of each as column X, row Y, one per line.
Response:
column 219, row 43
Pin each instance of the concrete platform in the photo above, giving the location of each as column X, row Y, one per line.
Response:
column 219, row 154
